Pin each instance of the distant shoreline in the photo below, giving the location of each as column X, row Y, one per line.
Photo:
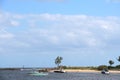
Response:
column 66, row 70
column 80, row 70
column 90, row 71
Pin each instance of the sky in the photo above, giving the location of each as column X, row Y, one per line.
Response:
column 34, row 32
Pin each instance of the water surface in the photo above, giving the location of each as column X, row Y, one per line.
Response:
column 23, row 75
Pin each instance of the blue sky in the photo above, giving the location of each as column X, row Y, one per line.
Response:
column 34, row 32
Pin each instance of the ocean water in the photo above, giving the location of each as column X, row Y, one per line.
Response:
column 23, row 75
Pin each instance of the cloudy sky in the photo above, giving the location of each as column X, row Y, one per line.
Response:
column 34, row 32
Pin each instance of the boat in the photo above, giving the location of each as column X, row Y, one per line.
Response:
column 105, row 72
column 36, row 73
column 59, row 71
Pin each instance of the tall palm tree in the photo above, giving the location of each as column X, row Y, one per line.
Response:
column 118, row 59
column 58, row 61
column 111, row 62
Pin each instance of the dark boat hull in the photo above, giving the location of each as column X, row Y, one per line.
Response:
column 59, row 71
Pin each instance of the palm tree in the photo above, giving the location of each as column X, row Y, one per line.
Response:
column 111, row 62
column 58, row 61
column 118, row 59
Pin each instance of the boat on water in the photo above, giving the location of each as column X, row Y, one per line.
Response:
column 36, row 73
column 59, row 71
column 105, row 71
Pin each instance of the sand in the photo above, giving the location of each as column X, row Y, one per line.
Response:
column 93, row 71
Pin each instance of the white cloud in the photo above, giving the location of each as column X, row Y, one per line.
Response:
column 5, row 35
column 58, row 31
column 14, row 23
column 8, row 20
column 57, row 34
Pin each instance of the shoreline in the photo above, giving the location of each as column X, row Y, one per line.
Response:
column 80, row 70
column 89, row 71
column 69, row 70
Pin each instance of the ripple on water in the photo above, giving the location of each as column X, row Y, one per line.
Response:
column 23, row 75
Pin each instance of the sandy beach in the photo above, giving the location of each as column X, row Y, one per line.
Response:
column 79, row 70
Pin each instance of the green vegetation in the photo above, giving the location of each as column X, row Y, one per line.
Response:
column 118, row 59
column 110, row 67
column 58, row 61
column 101, row 67
column 111, row 62
column 82, row 68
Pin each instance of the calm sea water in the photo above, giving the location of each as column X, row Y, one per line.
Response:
column 23, row 75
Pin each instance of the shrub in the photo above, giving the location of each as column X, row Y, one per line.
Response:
column 101, row 67
column 118, row 66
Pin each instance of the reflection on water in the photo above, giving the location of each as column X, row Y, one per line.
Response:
column 23, row 75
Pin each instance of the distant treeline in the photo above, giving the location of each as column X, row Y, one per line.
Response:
column 117, row 67
column 79, row 67
column 101, row 67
